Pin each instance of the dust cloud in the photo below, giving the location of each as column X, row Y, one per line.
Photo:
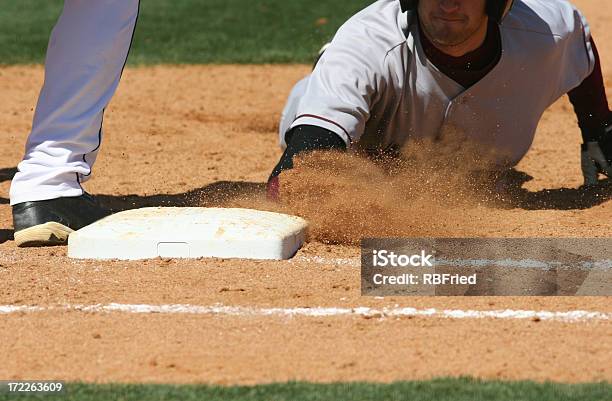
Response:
column 349, row 196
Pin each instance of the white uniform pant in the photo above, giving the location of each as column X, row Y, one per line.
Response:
column 87, row 51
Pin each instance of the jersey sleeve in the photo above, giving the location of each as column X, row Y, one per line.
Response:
column 290, row 110
column 579, row 58
column 345, row 84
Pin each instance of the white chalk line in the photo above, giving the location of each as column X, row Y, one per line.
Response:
column 506, row 263
column 242, row 311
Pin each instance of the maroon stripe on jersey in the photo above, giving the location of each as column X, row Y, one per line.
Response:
column 326, row 120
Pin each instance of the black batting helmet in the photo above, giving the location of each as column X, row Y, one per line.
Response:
column 496, row 9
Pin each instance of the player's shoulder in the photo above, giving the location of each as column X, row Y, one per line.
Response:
column 556, row 17
column 381, row 26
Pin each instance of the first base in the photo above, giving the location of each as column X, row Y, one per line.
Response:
column 189, row 232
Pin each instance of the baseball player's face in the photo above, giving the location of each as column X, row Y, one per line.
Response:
column 449, row 23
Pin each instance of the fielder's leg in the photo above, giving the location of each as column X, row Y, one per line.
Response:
column 87, row 51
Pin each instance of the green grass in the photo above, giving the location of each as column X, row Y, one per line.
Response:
column 24, row 29
column 438, row 390
column 193, row 31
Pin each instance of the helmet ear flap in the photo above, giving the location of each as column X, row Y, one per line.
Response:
column 408, row 5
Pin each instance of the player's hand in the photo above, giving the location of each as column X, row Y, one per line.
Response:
column 301, row 139
column 596, row 158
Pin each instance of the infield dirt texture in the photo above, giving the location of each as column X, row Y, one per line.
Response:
column 206, row 135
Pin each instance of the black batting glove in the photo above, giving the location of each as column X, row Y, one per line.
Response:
column 596, row 154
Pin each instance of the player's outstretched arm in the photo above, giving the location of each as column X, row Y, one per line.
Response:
column 595, row 121
column 302, row 139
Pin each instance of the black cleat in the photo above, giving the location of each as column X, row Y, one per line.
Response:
column 49, row 222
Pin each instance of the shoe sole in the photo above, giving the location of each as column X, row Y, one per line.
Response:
column 47, row 234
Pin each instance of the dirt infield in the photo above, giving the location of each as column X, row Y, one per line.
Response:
column 206, row 135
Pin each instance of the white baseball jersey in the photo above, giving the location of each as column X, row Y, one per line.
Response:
column 86, row 55
column 375, row 87
column 290, row 110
